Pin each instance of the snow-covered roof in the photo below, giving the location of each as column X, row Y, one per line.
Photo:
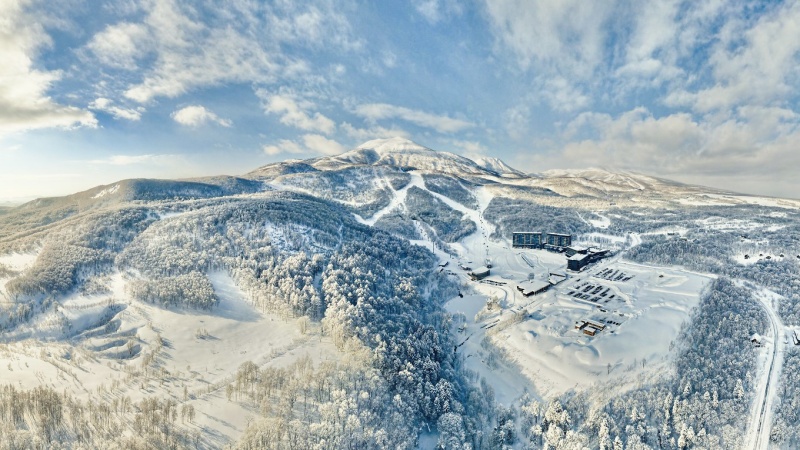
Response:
column 481, row 270
column 533, row 285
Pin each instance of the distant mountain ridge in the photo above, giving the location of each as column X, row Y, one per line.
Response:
column 365, row 176
column 399, row 153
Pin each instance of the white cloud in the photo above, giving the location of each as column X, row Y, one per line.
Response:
column 635, row 139
column 578, row 53
column 320, row 144
column 120, row 45
column 174, row 52
column 373, row 132
column 107, row 105
column 562, row 44
column 564, row 96
column 389, row 59
column 293, row 113
column 470, row 149
column 196, row 115
column 517, row 120
column 753, row 141
column 129, row 160
column 311, row 143
column 759, row 67
column 283, row 146
column 379, row 111
column 24, row 103
column 436, row 10
column 569, row 34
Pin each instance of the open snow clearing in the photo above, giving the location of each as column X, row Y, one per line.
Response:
column 109, row 345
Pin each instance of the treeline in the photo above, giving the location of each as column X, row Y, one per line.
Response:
column 704, row 404
column 449, row 224
column 510, row 215
column 57, row 270
column 43, row 418
column 330, row 406
column 384, row 293
column 70, row 254
column 357, row 187
column 192, row 289
column 451, row 187
column 286, row 286
column 786, row 426
column 399, row 224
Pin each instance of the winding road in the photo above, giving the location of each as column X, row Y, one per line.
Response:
column 768, row 386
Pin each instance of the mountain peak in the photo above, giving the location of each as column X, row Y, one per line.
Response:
column 393, row 145
column 406, row 154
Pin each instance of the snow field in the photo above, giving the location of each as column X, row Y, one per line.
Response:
column 546, row 347
column 142, row 350
column 14, row 262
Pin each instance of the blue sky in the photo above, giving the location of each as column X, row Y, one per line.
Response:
column 702, row 92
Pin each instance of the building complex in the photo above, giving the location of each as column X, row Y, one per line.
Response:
column 537, row 239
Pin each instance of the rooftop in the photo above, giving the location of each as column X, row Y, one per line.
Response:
column 533, row 285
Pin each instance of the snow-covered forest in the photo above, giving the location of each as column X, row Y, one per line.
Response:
column 310, row 305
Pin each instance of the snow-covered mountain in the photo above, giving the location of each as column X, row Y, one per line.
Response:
column 404, row 154
column 497, row 166
column 324, row 300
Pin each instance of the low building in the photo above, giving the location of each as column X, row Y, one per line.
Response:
column 556, row 277
column 589, row 327
column 480, row 273
column 533, row 287
column 578, row 261
column 573, row 250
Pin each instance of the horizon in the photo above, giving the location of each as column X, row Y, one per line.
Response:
column 699, row 94
column 545, row 174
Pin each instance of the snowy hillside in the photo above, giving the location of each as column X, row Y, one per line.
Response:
column 375, row 299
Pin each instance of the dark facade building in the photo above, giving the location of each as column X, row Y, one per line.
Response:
column 550, row 241
column 578, row 261
column 559, row 240
column 527, row 240
column 479, row 273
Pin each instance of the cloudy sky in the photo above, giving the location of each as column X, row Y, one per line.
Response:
column 699, row 91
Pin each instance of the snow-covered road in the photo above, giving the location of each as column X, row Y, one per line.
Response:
column 767, row 392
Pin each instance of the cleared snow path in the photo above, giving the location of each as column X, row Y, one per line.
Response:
column 398, row 201
column 761, row 416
